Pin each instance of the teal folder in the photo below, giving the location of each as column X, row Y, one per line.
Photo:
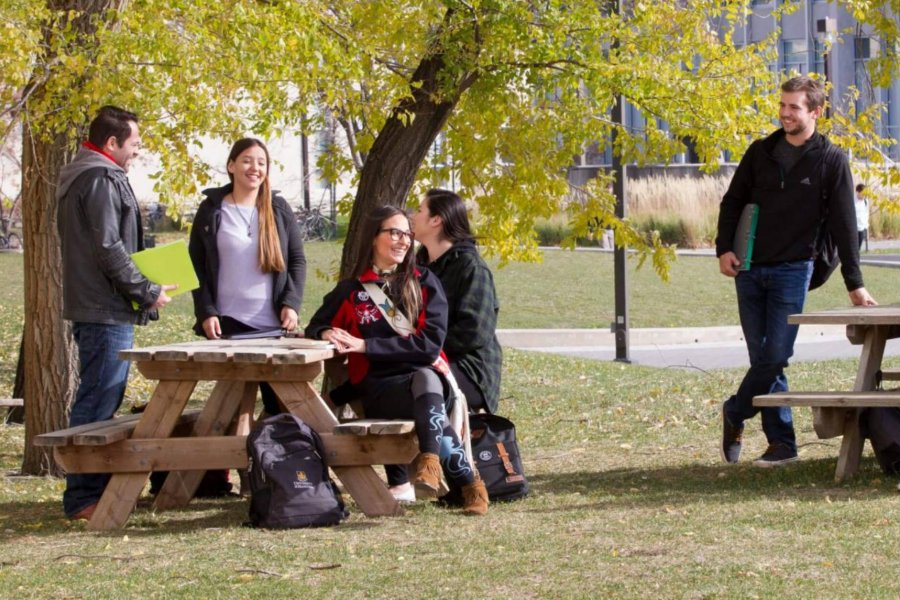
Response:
column 745, row 236
column 169, row 264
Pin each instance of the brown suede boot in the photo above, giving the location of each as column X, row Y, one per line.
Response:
column 475, row 498
column 427, row 479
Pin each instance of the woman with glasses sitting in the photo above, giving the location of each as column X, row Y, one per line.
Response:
column 390, row 318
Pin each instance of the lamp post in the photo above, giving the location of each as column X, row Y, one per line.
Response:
column 826, row 30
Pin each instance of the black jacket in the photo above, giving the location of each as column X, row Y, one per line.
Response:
column 100, row 227
column 792, row 205
column 287, row 285
column 472, row 305
column 349, row 307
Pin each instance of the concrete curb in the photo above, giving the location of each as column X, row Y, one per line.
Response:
column 653, row 337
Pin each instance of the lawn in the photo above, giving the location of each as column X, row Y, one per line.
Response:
column 629, row 497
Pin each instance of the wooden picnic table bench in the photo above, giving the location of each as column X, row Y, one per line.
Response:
column 836, row 413
column 217, row 435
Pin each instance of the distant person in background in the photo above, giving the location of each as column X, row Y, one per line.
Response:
column 247, row 251
column 862, row 214
column 104, row 293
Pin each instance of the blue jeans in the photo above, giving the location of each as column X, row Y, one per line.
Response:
column 99, row 395
column 766, row 295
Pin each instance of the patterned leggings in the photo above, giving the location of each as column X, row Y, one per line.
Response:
column 420, row 396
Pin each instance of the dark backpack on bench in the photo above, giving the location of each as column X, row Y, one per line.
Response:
column 289, row 482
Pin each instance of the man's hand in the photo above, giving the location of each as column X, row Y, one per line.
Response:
column 860, row 297
column 164, row 298
column 728, row 264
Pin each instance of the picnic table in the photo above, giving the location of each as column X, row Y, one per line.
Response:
column 167, row 437
column 838, row 413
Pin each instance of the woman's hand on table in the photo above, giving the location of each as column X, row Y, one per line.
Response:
column 288, row 318
column 212, row 328
column 343, row 341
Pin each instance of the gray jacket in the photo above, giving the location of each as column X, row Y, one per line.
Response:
column 100, row 227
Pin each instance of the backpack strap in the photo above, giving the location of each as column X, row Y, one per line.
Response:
column 504, row 456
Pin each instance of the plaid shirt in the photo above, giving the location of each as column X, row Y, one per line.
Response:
column 471, row 341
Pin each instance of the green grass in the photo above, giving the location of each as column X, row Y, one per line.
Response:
column 629, row 496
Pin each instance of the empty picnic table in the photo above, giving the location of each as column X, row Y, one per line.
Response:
column 838, row 412
column 215, row 437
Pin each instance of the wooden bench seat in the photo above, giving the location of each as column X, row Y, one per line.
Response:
column 103, row 433
column 829, row 399
column 890, row 374
column 11, row 402
column 374, row 427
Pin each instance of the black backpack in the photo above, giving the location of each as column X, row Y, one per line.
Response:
column 826, row 259
column 289, row 482
column 497, row 458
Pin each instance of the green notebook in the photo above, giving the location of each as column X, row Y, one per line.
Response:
column 169, row 264
column 745, row 236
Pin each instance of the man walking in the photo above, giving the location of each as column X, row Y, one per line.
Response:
column 802, row 186
column 104, row 294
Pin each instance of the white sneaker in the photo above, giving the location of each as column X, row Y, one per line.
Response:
column 403, row 493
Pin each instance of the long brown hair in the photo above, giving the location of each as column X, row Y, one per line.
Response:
column 403, row 288
column 270, row 257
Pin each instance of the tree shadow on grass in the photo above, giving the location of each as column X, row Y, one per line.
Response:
column 30, row 518
column 808, row 480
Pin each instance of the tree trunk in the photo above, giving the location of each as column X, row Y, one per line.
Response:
column 398, row 151
column 51, row 374
column 50, row 359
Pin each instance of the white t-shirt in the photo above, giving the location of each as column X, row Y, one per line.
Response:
column 244, row 292
column 862, row 214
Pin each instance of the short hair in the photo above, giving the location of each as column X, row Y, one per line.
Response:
column 111, row 121
column 860, row 187
column 813, row 88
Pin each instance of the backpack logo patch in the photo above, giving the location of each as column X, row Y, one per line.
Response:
column 805, row 181
column 485, row 455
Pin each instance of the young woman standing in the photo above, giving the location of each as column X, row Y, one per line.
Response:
column 247, row 251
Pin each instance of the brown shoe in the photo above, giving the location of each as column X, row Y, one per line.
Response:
column 85, row 513
column 475, row 498
column 427, row 479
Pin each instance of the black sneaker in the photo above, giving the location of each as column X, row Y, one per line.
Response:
column 731, row 439
column 775, row 456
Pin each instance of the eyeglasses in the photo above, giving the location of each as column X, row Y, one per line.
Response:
column 399, row 234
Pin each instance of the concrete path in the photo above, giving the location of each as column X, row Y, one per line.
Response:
column 696, row 347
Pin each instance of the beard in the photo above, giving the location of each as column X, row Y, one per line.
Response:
column 795, row 128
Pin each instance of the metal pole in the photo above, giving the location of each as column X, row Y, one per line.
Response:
column 304, row 156
column 621, row 324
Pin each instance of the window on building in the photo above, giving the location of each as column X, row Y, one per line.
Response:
column 794, row 55
column 819, row 66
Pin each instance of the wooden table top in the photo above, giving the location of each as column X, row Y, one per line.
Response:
column 851, row 315
column 280, row 351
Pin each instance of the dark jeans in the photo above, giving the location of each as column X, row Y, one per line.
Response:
column 232, row 326
column 99, row 395
column 766, row 295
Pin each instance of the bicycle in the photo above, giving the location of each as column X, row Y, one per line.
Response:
column 9, row 240
column 314, row 226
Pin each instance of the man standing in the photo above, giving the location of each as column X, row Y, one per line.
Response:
column 104, row 294
column 862, row 216
column 802, row 185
